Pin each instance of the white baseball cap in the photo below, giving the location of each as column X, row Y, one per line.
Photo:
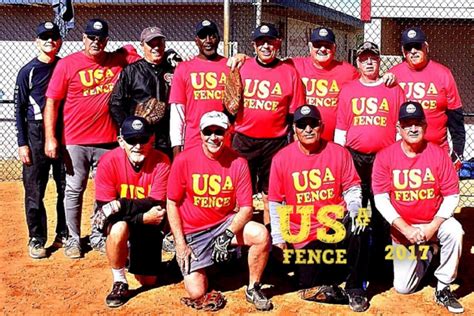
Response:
column 214, row 118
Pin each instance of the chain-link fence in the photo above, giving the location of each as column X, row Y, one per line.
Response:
column 449, row 28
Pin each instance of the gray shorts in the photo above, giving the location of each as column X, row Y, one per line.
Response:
column 202, row 243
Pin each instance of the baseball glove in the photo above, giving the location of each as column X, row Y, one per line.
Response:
column 152, row 110
column 233, row 92
column 211, row 301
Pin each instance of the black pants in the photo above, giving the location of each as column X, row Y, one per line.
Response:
column 35, row 179
column 354, row 273
column 379, row 229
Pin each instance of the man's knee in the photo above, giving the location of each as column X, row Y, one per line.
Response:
column 403, row 287
column 118, row 232
column 451, row 229
column 146, row 280
column 195, row 284
column 256, row 233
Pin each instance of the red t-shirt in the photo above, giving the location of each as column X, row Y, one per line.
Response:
column 322, row 88
column 208, row 190
column 318, row 179
column 198, row 84
column 416, row 185
column 270, row 93
column 434, row 87
column 369, row 114
column 86, row 86
column 116, row 177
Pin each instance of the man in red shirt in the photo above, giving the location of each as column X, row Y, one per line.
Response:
column 314, row 172
column 209, row 182
column 197, row 88
column 83, row 82
column 272, row 91
column 131, row 193
column 417, row 190
column 432, row 85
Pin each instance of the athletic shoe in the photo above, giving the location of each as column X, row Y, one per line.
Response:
column 118, row 296
column 99, row 246
column 59, row 241
column 36, row 249
column 358, row 300
column 256, row 297
column 446, row 298
column 72, row 249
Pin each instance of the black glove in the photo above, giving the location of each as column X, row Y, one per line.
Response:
column 220, row 252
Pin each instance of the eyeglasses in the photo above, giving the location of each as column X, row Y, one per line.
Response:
column 210, row 131
column 320, row 44
column 47, row 36
column 312, row 123
column 133, row 141
column 94, row 38
column 410, row 46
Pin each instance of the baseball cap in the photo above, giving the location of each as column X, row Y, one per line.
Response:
column 97, row 27
column 411, row 110
column 306, row 111
column 323, row 34
column 413, row 35
column 150, row 33
column 368, row 47
column 206, row 27
column 214, row 118
column 48, row 27
column 266, row 29
column 135, row 126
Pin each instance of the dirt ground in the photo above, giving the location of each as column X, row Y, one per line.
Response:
column 58, row 285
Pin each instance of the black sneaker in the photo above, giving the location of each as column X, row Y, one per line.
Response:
column 446, row 298
column 36, row 249
column 358, row 300
column 118, row 296
column 256, row 297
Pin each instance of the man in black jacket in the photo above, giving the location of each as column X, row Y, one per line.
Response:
column 147, row 78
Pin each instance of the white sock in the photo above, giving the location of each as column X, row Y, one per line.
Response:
column 441, row 286
column 119, row 275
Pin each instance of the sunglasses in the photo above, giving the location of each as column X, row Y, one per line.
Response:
column 137, row 140
column 204, row 35
column 96, row 38
column 320, row 44
column 410, row 46
column 47, row 36
column 210, row 131
column 313, row 124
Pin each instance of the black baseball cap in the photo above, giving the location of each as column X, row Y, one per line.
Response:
column 413, row 35
column 306, row 111
column 323, row 34
column 411, row 110
column 265, row 30
column 48, row 27
column 368, row 47
column 97, row 27
column 135, row 126
column 206, row 27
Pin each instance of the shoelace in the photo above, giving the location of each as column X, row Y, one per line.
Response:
column 119, row 287
column 257, row 293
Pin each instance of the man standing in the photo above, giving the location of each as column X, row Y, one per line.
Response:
column 30, row 99
column 433, row 86
column 272, row 91
column 314, row 172
column 131, row 181
column 209, row 182
column 147, row 78
column 198, row 87
column 84, row 82
column 367, row 113
column 416, row 190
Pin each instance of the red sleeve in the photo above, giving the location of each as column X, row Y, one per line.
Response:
column 105, row 190
column 343, row 119
column 160, row 180
column 276, row 191
column 178, row 86
column 131, row 54
column 177, row 180
column 355, row 73
column 448, row 178
column 244, row 186
column 350, row 176
column 299, row 97
column 452, row 93
column 59, row 82
column 381, row 174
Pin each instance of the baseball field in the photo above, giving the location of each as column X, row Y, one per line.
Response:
column 60, row 286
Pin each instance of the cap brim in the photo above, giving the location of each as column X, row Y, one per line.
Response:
column 149, row 38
